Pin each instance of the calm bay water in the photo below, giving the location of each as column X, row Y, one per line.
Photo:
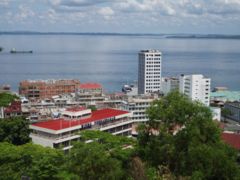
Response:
column 112, row 60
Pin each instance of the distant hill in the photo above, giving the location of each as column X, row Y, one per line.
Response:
column 180, row 36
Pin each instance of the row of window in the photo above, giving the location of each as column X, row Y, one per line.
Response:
column 152, row 72
column 152, row 76
column 152, row 83
column 153, row 66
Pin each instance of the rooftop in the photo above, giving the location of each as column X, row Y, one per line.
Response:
column 232, row 139
column 15, row 106
column 76, row 109
column 227, row 95
column 98, row 115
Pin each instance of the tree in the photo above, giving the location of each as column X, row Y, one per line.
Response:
column 91, row 161
column 6, row 99
column 14, row 130
column 33, row 161
column 182, row 137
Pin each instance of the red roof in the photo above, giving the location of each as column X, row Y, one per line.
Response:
column 76, row 109
column 232, row 139
column 90, row 86
column 14, row 107
column 98, row 115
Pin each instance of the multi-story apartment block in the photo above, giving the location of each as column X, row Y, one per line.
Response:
column 60, row 133
column 169, row 84
column 196, row 87
column 149, row 71
column 40, row 89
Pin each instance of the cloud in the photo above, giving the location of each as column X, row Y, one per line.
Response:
column 106, row 12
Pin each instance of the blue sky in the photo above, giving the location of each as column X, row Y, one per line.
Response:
column 124, row 16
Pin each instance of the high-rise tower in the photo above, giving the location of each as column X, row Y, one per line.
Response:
column 149, row 71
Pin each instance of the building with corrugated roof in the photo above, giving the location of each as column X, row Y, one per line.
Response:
column 61, row 133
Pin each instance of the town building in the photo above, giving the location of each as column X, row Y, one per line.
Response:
column 149, row 71
column 169, row 84
column 12, row 110
column 234, row 110
column 138, row 105
column 196, row 87
column 41, row 89
column 62, row 132
column 90, row 94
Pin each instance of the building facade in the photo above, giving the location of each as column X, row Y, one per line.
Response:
column 196, row 87
column 61, row 133
column 169, row 84
column 41, row 89
column 234, row 109
column 90, row 94
column 137, row 106
column 149, row 71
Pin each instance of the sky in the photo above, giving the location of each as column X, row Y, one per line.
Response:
column 122, row 16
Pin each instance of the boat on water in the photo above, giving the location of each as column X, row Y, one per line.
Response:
column 13, row 51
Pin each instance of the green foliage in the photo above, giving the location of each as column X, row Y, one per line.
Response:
column 119, row 147
column 91, row 161
column 6, row 99
column 31, row 161
column 182, row 137
column 14, row 130
column 92, row 107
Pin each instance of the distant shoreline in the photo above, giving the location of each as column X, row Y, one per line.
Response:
column 174, row 36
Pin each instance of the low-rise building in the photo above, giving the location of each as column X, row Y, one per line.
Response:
column 138, row 105
column 90, row 94
column 12, row 110
column 60, row 133
column 234, row 109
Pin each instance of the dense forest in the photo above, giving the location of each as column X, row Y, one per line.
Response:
column 180, row 141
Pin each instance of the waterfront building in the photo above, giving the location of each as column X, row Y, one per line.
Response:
column 169, row 84
column 149, row 71
column 196, row 87
column 61, row 133
column 224, row 96
column 41, row 89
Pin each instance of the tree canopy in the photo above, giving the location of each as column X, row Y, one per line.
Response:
column 6, row 99
column 182, row 138
column 14, row 130
column 33, row 161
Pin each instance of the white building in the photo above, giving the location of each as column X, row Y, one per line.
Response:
column 216, row 113
column 196, row 87
column 169, row 84
column 60, row 133
column 138, row 106
column 149, row 71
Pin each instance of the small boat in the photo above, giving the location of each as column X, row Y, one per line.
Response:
column 13, row 51
column 1, row 49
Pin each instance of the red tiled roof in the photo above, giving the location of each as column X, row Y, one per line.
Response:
column 76, row 109
column 90, row 86
column 15, row 106
column 232, row 139
column 60, row 124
